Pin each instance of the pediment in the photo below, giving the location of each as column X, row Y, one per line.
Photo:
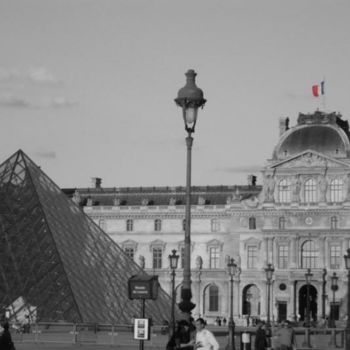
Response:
column 252, row 241
column 214, row 243
column 129, row 243
column 157, row 244
column 310, row 158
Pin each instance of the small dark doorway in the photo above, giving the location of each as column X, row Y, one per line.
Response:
column 281, row 311
column 303, row 302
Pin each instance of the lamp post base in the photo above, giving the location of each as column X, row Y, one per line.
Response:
column 231, row 335
column 186, row 306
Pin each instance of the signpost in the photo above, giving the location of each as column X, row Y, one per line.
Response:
column 142, row 287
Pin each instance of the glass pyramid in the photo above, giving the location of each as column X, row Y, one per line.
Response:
column 56, row 260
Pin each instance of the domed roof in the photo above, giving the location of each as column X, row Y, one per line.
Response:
column 319, row 132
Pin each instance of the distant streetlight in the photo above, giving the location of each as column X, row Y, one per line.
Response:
column 189, row 98
column 308, row 276
column 173, row 260
column 232, row 269
column 347, row 265
column 269, row 273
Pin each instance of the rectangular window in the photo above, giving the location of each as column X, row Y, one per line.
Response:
column 213, row 298
column 336, row 190
column 283, row 255
column 310, row 191
column 214, row 225
column 157, row 225
column 214, row 257
column 157, row 258
column 335, row 257
column 129, row 225
column 252, row 257
column 130, row 252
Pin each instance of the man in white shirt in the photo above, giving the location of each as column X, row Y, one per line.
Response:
column 205, row 339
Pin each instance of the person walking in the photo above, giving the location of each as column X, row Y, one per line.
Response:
column 6, row 342
column 286, row 336
column 260, row 336
column 182, row 338
column 205, row 340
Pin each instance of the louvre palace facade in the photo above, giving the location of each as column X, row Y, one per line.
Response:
column 298, row 219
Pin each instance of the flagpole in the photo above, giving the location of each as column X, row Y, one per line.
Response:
column 324, row 94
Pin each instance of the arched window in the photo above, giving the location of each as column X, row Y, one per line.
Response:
column 213, row 298
column 252, row 223
column 309, row 255
column 157, row 225
column 284, row 191
column 310, row 191
column 336, row 190
column 102, row 223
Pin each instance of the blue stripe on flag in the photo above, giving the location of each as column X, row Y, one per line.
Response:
column 322, row 87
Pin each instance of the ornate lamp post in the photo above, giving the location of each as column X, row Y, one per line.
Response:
column 347, row 265
column 189, row 98
column 173, row 260
column 334, row 288
column 232, row 268
column 308, row 276
column 269, row 272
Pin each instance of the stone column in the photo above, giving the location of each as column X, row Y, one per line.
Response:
column 323, row 251
column 292, row 253
column 270, row 250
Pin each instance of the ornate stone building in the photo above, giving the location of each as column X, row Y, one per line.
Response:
column 298, row 219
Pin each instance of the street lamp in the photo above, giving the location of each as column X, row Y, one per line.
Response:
column 189, row 98
column 269, row 272
column 232, row 268
column 347, row 265
column 334, row 288
column 308, row 276
column 173, row 260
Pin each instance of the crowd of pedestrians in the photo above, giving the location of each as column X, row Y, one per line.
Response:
column 192, row 336
column 282, row 337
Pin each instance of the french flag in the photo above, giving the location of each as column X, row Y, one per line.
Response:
column 318, row 90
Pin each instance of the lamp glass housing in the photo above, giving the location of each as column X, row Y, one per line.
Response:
column 191, row 114
column 173, row 259
column 269, row 271
column 334, row 279
column 308, row 276
column 232, row 266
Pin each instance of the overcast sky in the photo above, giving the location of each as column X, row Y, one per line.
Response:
column 87, row 87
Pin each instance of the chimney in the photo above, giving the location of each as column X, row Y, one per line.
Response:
column 96, row 181
column 251, row 180
column 283, row 125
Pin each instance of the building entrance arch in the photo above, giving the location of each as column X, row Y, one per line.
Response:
column 251, row 300
column 303, row 302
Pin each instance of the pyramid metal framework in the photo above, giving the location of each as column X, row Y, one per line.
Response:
column 57, row 259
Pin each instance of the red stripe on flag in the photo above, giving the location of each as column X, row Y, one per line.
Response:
column 315, row 90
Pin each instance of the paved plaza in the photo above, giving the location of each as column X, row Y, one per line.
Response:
column 319, row 339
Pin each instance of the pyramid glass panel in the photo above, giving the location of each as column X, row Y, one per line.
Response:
column 56, row 260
